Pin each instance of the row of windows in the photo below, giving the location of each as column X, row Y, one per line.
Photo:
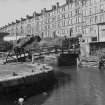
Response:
column 94, row 19
column 63, row 23
column 92, row 2
column 90, row 29
column 93, row 10
column 67, row 21
column 76, row 11
column 72, row 13
column 86, row 12
column 78, row 29
column 88, row 20
column 60, row 10
column 62, row 32
column 73, row 6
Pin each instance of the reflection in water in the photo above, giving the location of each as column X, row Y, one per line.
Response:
column 85, row 86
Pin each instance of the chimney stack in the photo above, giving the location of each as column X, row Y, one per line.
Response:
column 44, row 9
column 41, row 11
column 57, row 4
column 69, row 1
column 34, row 13
column 53, row 7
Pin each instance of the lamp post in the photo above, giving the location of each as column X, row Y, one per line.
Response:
column 16, row 33
column 17, row 22
column 98, row 34
column 70, row 34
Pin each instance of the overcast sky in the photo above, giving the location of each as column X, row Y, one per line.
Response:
column 10, row 10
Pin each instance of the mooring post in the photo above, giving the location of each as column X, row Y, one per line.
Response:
column 78, row 62
column 21, row 100
column 33, row 59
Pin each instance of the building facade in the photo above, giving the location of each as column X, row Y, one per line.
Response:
column 74, row 18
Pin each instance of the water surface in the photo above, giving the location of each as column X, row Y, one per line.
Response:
column 82, row 86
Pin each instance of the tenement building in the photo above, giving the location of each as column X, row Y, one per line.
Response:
column 74, row 18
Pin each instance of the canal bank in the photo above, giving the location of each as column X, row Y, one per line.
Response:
column 20, row 77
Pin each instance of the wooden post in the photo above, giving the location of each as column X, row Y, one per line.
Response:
column 77, row 62
column 98, row 34
column 32, row 59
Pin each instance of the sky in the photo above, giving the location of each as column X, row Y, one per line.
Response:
column 10, row 10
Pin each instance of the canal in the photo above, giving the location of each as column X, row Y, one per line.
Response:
column 82, row 86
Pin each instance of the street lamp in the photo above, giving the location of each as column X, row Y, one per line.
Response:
column 16, row 32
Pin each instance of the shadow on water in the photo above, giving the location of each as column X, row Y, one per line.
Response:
column 37, row 97
column 11, row 98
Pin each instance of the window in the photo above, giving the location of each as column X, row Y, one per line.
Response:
column 97, row 9
column 93, row 39
column 70, row 13
column 76, row 11
column 90, row 11
column 79, row 11
column 63, row 9
column 91, row 29
column 87, row 20
column 63, row 31
column 84, row 31
column 60, row 10
column 79, row 3
column 58, row 17
column 102, row 18
column 87, row 12
column 71, row 31
column 63, row 16
column 91, row 20
column 60, row 23
column 84, row 12
column 101, row 8
column 87, row 2
column 96, row 19
column 69, row 22
column 79, row 19
column 63, row 24
column 73, row 13
column 66, row 8
column 66, row 15
column 74, row 20
column 87, row 30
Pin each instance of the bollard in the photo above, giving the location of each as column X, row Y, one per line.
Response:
column 32, row 70
column 45, row 93
column 21, row 100
column 33, row 59
column 78, row 62
column 14, row 74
